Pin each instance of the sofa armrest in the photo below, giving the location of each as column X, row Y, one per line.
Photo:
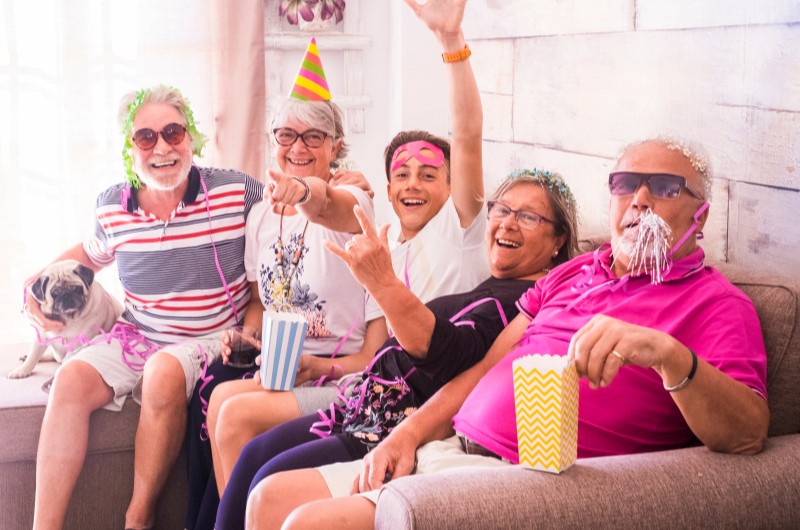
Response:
column 681, row 488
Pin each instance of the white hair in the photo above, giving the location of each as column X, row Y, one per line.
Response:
column 693, row 152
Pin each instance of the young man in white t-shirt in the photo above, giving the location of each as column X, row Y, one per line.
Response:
column 436, row 190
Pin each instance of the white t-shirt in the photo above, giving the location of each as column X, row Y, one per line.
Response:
column 322, row 288
column 443, row 258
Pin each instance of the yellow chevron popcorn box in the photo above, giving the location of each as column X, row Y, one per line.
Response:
column 282, row 338
column 546, row 401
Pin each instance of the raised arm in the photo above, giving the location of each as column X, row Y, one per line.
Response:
column 444, row 17
column 368, row 258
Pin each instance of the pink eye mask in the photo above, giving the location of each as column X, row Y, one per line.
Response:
column 414, row 150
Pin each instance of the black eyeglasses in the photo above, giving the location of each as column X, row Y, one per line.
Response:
column 499, row 211
column 146, row 139
column 661, row 185
column 312, row 137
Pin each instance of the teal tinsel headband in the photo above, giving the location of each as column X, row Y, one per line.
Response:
column 551, row 179
column 199, row 139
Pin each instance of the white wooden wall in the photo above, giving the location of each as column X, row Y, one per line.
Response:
column 566, row 83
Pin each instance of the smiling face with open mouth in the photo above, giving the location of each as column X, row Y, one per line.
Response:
column 417, row 193
column 165, row 167
column 519, row 252
column 302, row 161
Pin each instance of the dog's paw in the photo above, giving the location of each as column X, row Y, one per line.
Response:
column 19, row 373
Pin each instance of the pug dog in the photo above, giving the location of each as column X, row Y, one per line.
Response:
column 67, row 292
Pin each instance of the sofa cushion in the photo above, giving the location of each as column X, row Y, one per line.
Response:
column 22, row 405
column 775, row 299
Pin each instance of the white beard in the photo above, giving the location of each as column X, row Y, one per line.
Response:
column 647, row 246
column 163, row 182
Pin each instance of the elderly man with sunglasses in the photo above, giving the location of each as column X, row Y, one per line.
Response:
column 669, row 352
column 176, row 234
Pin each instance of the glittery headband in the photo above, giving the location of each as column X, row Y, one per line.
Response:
column 198, row 139
column 414, row 150
column 551, row 179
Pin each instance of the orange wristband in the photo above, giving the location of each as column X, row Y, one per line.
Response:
column 454, row 57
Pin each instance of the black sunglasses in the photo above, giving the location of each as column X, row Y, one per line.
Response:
column 146, row 139
column 661, row 185
column 312, row 138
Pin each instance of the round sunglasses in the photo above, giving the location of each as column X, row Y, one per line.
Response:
column 661, row 185
column 173, row 134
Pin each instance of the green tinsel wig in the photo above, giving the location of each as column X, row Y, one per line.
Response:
column 199, row 140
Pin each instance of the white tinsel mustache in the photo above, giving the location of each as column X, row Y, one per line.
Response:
column 651, row 251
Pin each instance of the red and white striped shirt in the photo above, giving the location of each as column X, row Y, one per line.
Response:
column 167, row 269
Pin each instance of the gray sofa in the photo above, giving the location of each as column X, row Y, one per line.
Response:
column 104, row 487
column 685, row 488
column 672, row 489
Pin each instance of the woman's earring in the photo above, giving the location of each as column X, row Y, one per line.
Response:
column 555, row 253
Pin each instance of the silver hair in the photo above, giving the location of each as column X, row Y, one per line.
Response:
column 323, row 115
column 694, row 153
column 160, row 94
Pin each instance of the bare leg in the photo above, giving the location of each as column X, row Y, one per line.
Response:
column 78, row 390
column 278, row 495
column 158, row 439
column 353, row 513
column 220, row 395
column 242, row 418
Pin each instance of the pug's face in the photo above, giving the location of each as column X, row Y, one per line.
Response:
column 63, row 290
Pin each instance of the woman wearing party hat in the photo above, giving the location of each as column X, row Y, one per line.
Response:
column 291, row 272
column 438, row 247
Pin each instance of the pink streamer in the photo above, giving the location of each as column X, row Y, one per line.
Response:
column 216, row 257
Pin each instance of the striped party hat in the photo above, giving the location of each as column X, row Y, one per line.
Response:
column 310, row 84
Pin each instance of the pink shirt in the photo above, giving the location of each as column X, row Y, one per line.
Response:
column 634, row 414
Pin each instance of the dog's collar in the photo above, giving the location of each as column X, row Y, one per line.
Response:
column 192, row 190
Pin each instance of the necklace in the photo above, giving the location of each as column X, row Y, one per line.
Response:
column 284, row 279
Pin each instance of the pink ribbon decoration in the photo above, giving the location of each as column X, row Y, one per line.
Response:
column 216, row 257
column 324, row 427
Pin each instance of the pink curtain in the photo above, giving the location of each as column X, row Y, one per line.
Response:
column 238, row 85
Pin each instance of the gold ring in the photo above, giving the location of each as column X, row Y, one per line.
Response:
column 619, row 356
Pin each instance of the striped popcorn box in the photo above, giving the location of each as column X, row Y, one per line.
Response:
column 546, row 401
column 282, row 335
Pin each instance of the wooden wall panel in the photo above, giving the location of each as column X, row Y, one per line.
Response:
column 522, row 18
column 497, row 117
column 596, row 93
column 675, row 14
column 493, row 64
column 763, row 228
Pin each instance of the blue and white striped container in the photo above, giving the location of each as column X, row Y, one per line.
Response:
column 282, row 340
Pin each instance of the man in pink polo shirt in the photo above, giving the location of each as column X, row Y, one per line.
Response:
column 669, row 352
